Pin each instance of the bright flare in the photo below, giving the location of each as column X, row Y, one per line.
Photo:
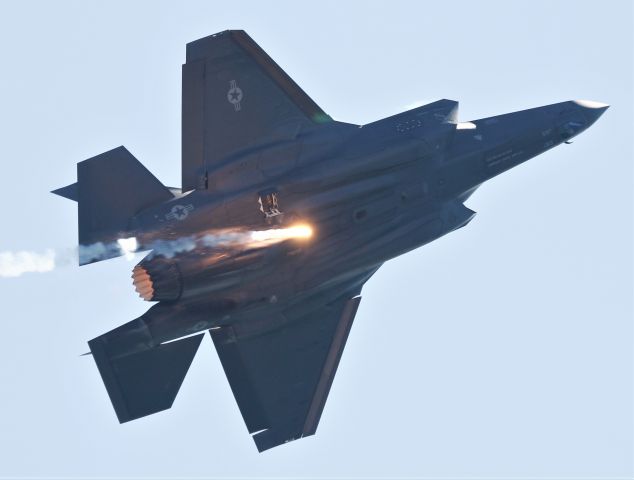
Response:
column 279, row 234
column 128, row 246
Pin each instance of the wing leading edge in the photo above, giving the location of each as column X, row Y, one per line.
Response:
column 281, row 376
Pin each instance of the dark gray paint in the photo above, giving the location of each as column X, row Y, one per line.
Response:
column 279, row 316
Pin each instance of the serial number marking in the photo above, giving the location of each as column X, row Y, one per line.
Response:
column 408, row 125
column 502, row 157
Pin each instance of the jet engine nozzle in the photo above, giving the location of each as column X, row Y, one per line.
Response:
column 157, row 280
column 142, row 283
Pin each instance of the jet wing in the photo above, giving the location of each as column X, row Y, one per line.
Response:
column 281, row 374
column 236, row 96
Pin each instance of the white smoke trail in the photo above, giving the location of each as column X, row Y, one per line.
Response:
column 14, row 264
column 171, row 248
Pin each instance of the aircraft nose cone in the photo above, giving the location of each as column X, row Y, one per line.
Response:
column 591, row 108
column 579, row 115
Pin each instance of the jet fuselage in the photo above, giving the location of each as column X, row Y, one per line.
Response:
column 377, row 192
column 282, row 216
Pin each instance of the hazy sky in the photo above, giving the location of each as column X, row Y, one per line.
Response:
column 502, row 350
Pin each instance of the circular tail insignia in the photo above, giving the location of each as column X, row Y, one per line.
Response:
column 234, row 95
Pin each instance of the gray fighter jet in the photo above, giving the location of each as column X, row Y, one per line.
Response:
column 283, row 215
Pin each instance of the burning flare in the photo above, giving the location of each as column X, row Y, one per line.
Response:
column 279, row 234
column 128, row 246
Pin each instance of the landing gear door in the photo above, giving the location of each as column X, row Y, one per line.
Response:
column 570, row 124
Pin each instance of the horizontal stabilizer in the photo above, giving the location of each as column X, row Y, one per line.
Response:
column 144, row 382
column 69, row 191
column 111, row 188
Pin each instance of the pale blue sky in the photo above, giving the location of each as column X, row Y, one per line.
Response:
column 502, row 350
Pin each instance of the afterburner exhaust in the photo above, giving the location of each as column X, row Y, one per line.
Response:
column 142, row 283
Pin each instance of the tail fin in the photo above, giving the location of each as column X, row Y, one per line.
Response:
column 111, row 188
column 145, row 381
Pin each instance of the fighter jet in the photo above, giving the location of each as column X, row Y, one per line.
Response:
column 282, row 216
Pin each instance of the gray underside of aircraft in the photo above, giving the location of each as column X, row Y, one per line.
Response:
column 258, row 155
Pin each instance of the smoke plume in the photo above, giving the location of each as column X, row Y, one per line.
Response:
column 15, row 264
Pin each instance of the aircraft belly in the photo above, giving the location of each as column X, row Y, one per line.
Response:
column 261, row 161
